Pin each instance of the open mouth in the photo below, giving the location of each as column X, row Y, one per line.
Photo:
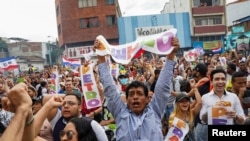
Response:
column 136, row 104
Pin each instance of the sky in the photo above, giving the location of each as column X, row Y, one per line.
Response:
column 35, row 20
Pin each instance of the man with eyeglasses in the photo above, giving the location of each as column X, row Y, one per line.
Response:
column 59, row 117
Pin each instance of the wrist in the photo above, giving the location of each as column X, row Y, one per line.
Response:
column 236, row 117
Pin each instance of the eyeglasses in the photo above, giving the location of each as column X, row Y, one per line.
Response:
column 70, row 103
column 68, row 133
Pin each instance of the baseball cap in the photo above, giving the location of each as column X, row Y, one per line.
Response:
column 181, row 96
column 201, row 68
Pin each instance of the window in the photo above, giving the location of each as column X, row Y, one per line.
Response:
column 87, row 3
column 217, row 20
column 111, row 20
column 89, row 22
column 196, row 3
column 59, row 29
column 109, row 2
column 208, row 21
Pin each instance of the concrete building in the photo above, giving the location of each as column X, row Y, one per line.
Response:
column 237, row 10
column 80, row 22
column 207, row 21
column 26, row 53
column 208, row 24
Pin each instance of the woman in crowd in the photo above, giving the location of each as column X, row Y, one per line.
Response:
column 82, row 129
column 185, row 111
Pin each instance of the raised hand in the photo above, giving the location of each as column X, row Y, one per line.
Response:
column 17, row 97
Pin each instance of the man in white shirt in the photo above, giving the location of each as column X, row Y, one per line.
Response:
column 219, row 97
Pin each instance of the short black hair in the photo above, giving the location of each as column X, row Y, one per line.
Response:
column 217, row 71
column 185, row 86
column 137, row 84
column 232, row 66
column 76, row 94
column 157, row 71
column 237, row 74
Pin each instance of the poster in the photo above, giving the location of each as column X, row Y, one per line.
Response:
column 90, row 90
column 217, row 114
column 178, row 130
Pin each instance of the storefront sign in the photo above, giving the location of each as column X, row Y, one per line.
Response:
column 146, row 31
column 78, row 52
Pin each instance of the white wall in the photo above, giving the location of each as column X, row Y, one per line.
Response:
column 177, row 6
column 237, row 11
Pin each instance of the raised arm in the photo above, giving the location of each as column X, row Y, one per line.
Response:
column 19, row 102
column 162, row 88
column 197, row 107
column 110, row 91
column 50, row 106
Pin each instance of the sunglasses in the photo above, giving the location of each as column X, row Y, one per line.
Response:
column 68, row 133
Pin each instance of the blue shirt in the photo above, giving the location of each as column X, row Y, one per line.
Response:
column 132, row 127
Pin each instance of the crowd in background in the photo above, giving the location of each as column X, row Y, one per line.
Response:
column 191, row 89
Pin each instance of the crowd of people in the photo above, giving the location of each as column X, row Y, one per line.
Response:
column 142, row 103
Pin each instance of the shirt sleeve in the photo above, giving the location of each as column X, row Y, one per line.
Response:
column 111, row 92
column 55, row 119
column 162, row 88
column 204, row 107
column 99, row 131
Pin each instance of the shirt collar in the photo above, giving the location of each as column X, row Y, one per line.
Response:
column 65, row 122
column 225, row 93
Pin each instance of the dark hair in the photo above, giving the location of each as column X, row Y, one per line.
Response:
column 32, row 88
column 237, row 74
column 137, row 84
column 232, row 66
column 216, row 71
column 76, row 94
column 84, row 129
column 157, row 71
column 39, row 91
column 185, row 86
column 188, row 70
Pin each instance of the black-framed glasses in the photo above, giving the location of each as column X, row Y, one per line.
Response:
column 68, row 133
column 70, row 103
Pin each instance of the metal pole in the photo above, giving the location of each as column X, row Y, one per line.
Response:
column 50, row 61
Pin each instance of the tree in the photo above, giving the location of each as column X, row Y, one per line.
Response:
column 56, row 52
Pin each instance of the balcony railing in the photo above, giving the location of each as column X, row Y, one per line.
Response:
column 210, row 29
column 207, row 10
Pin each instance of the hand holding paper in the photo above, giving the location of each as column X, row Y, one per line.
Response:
column 158, row 44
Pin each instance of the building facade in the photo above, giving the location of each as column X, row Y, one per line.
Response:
column 208, row 20
column 80, row 22
column 34, row 53
column 130, row 28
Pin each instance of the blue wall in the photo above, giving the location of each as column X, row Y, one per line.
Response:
column 180, row 21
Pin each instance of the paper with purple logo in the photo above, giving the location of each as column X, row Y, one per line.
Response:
column 158, row 44
column 89, row 87
column 217, row 114
column 177, row 131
